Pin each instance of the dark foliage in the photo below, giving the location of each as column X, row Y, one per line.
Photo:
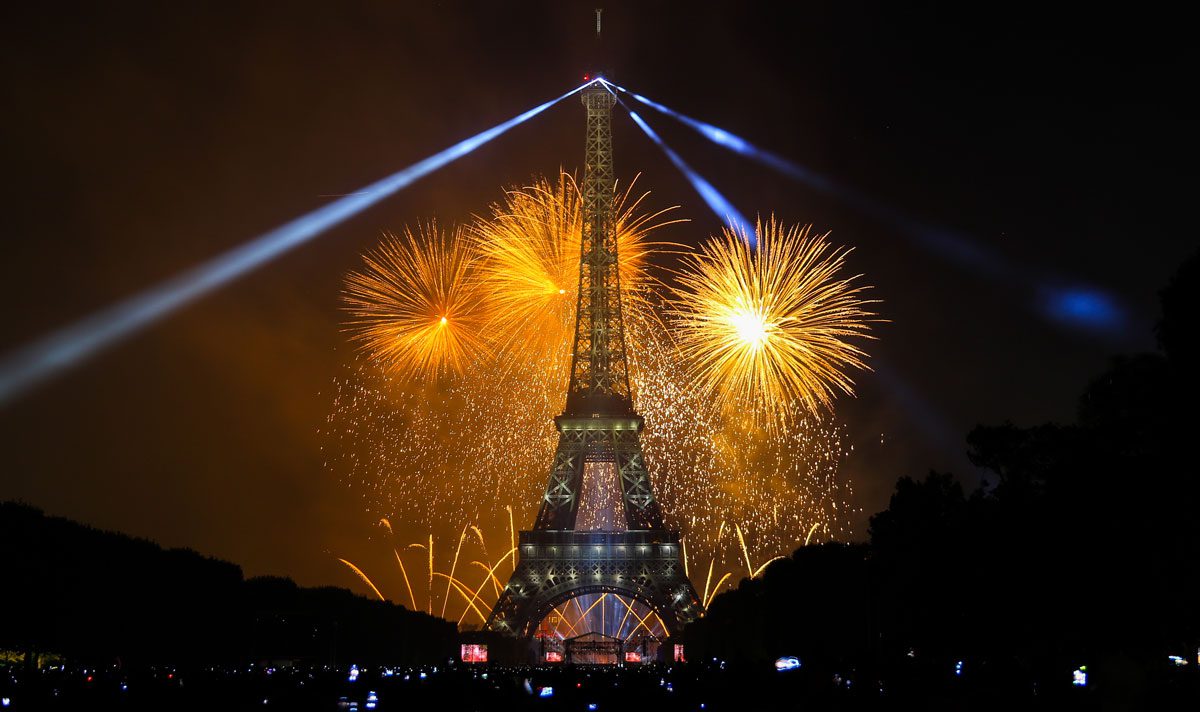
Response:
column 93, row 595
column 1084, row 547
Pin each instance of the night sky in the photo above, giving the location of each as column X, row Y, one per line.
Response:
column 141, row 139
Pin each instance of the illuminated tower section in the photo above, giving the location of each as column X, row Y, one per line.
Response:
column 598, row 431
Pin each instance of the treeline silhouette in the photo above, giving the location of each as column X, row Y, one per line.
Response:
column 98, row 596
column 1083, row 546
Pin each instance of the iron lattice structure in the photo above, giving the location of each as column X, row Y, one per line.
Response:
column 599, row 425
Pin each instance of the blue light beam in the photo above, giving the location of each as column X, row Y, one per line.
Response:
column 943, row 241
column 27, row 366
column 932, row 425
column 1082, row 307
column 717, row 202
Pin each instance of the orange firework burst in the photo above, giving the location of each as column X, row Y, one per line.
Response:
column 462, row 449
column 417, row 306
column 763, row 327
column 530, row 262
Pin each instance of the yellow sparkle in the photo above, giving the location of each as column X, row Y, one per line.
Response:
column 763, row 326
column 751, row 326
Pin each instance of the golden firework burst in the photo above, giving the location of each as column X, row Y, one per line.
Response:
column 461, row 449
column 417, row 307
column 762, row 327
column 530, row 263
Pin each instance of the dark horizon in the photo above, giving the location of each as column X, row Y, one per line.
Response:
column 147, row 139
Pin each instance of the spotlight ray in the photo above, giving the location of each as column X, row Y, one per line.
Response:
column 950, row 245
column 718, row 203
column 1065, row 301
column 26, row 367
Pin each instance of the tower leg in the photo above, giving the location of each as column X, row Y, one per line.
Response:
column 560, row 504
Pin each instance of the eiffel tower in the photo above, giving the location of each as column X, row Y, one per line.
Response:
column 600, row 428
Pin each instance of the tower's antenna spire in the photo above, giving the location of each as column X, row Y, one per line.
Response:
column 598, row 11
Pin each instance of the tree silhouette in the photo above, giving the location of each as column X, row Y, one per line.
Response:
column 1085, row 548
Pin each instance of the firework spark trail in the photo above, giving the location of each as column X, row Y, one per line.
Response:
column 562, row 618
column 715, row 589
column 621, row 627
column 726, row 495
column 808, row 536
column 766, row 563
column 491, row 575
column 745, row 551
column 386, row 524
column 412, row 598
column 496, row 583
column 473, row 601
column 461, row 538
column 586, row 617
column 531, row 267
column 512, row 533
column 719, row 470
column 483, row 546
column 712, row 562
column 640, row 618
column 479, row 535
column 363, row 576
column 473, row 447
column 463, row 591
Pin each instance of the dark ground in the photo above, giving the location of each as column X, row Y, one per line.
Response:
column 680, row 687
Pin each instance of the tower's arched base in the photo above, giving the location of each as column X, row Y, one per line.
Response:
column 555, row 566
